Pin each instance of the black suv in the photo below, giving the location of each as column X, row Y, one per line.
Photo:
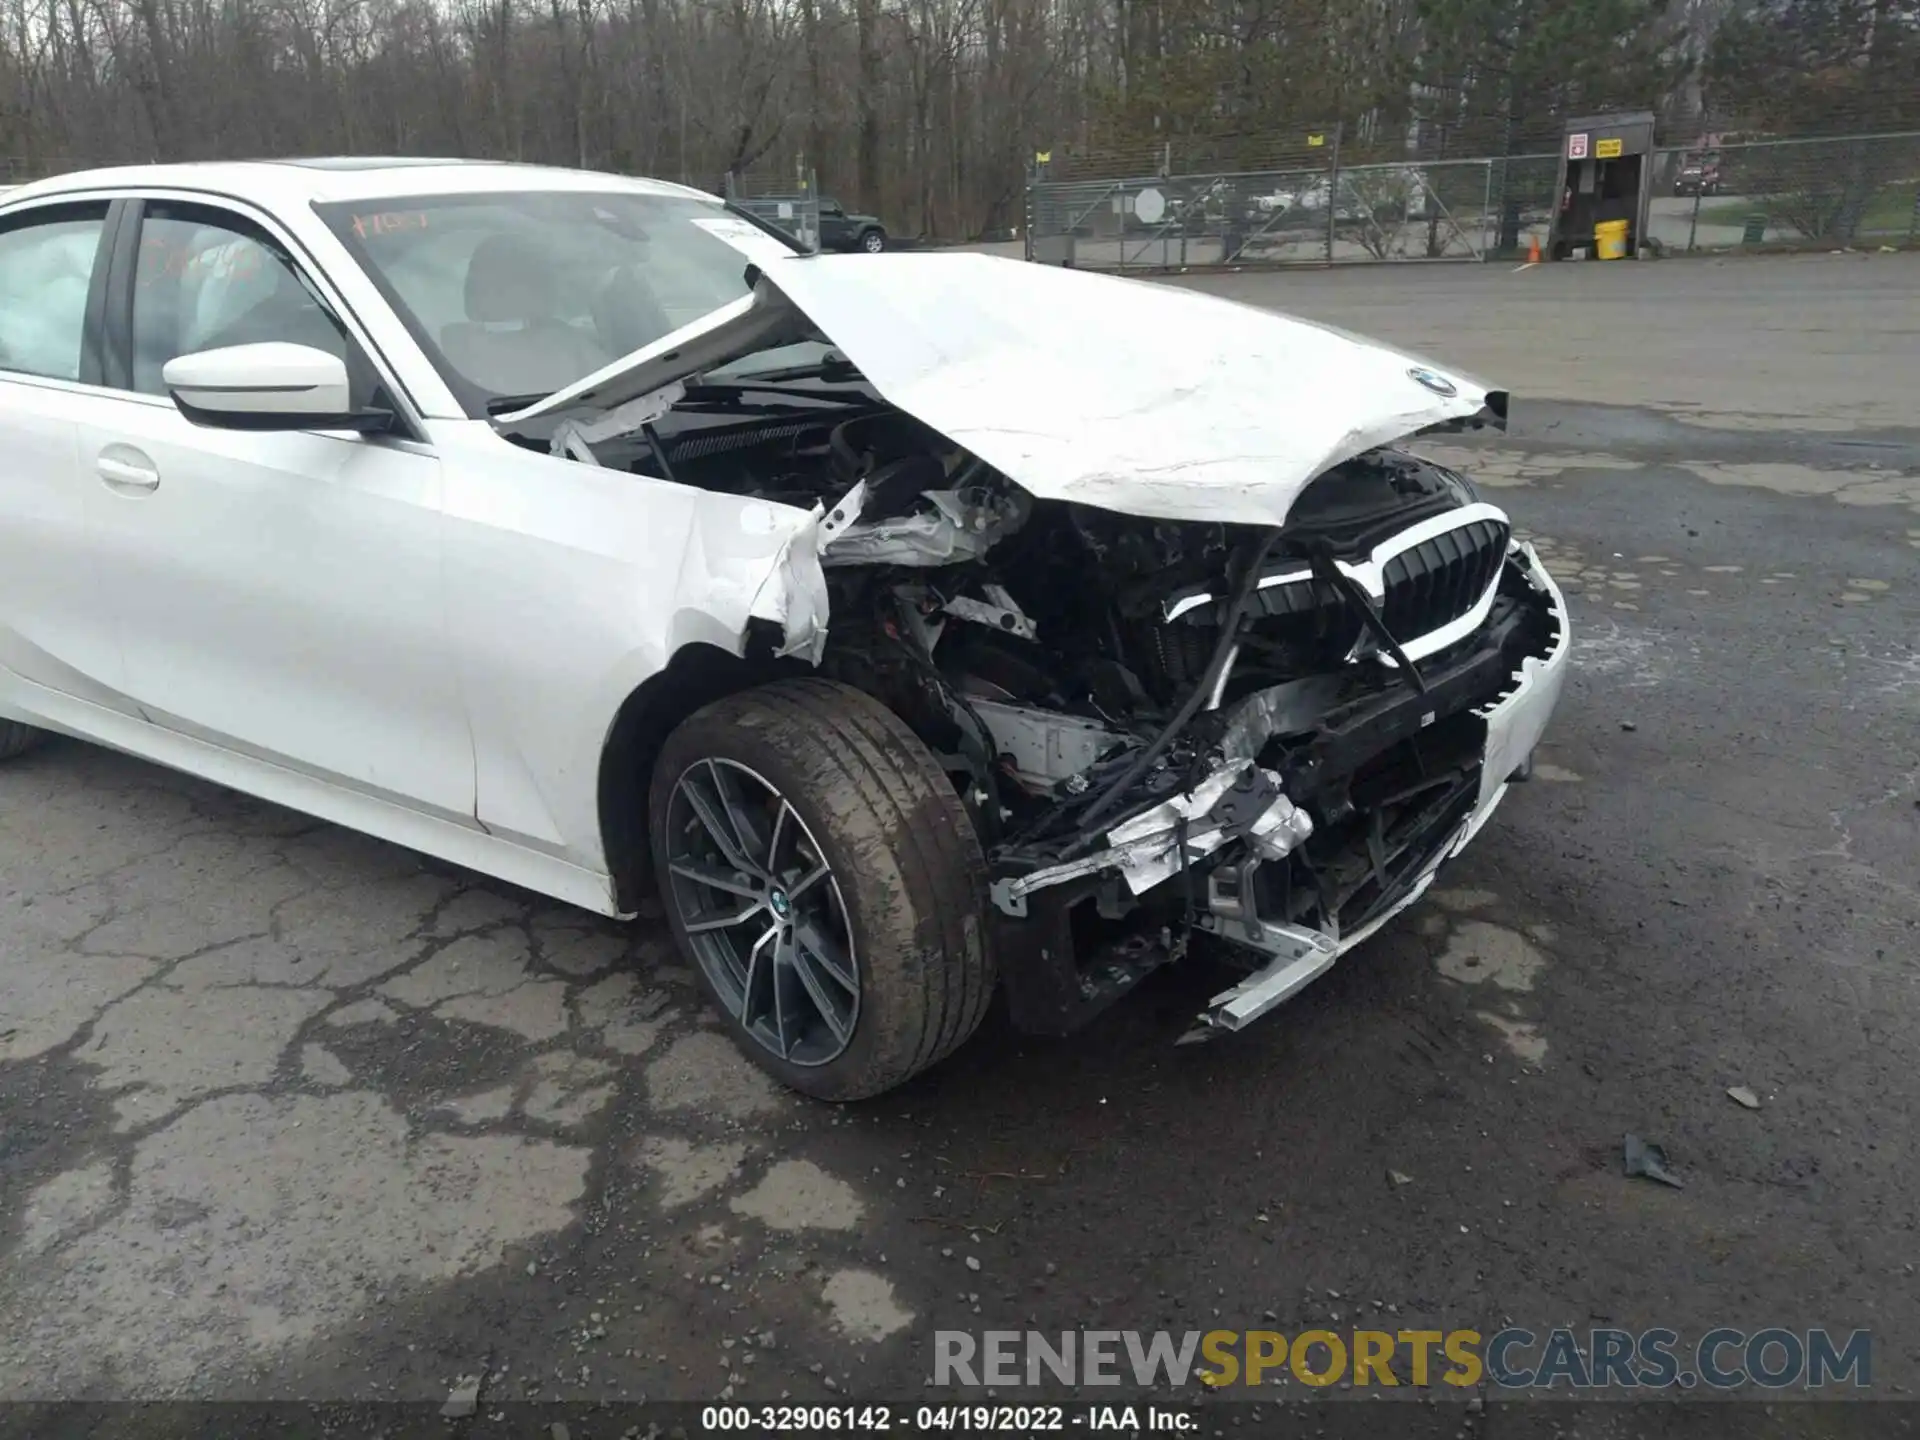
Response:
column 841, row 231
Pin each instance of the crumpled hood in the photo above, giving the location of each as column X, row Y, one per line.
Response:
column 1142, row 398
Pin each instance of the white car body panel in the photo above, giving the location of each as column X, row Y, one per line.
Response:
column 394, row 821
column 429, row 640
column 1141, row 398
column 734, row 329
column 607, row 587
column 281, row 594
column 53, row 629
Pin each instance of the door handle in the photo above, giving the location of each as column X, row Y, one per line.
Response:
column 127, row 471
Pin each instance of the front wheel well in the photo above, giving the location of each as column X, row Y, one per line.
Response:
column 697, row 675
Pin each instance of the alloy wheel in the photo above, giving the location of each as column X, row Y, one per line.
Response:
column 762, row 912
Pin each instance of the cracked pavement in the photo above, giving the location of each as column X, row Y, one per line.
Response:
column 289, row 1112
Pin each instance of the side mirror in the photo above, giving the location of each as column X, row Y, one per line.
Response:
column 270, row 386
column 831, row 208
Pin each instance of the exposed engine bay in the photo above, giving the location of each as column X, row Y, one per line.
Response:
column 1171, row 734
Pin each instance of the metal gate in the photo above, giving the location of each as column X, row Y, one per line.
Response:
column 791, row 205
column 1436, row 211
column 1317, row 214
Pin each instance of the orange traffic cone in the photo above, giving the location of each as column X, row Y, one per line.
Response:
column 1533, row 249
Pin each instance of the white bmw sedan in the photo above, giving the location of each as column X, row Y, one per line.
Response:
column 924, row 628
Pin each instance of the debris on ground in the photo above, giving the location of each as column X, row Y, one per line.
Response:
column 462, row 1400
column 1628, row 725
column 1394, row 1177
column 1650, row 1161
column 1742, row 1096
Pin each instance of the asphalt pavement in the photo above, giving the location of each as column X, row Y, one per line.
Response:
column 286, row 1112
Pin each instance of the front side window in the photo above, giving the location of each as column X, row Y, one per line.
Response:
column 205, row 281
column 46, row 266
column 514, row 296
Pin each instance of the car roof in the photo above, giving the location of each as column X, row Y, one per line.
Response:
column 322, row 179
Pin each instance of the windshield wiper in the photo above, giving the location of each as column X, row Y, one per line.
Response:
column 835, row 370
column 731, row 391
column 502, row 404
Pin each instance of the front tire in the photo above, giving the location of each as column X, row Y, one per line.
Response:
column 873, row 241
column 16, row 739
column 825, row 881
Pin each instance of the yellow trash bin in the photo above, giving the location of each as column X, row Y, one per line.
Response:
column 1610, row 240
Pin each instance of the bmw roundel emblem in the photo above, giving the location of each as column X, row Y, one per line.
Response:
column 1438, row 384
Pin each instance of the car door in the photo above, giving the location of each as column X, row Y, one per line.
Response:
column 834, row 230
column 277, row 593
column 55, row 634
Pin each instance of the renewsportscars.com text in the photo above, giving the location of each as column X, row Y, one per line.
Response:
column 1602, row 1358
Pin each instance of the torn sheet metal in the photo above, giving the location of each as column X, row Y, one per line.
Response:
column 1276, row 830
column 1289, row 708
column 960, row 527
column 1254, row 810
column 794, row 593
column 1045, row 746
column 575, row 439
column 748, row 559
column 1140, row 398
column 1519, row 718
column 998, row 611
column 1300, row 955
column 1144, row 399
column 1237, row 801
column 1514, row 724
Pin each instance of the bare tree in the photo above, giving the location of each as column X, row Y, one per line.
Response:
column 927, row 111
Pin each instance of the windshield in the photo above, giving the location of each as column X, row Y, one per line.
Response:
column 513, row 296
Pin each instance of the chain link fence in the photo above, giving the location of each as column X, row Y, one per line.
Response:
column 1303, row 199
column 1314, row 208
column 791, row 203
column 1439, row 210
column 1254, row 203
column 1854, row 190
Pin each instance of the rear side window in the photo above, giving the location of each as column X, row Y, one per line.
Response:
column 46, row 267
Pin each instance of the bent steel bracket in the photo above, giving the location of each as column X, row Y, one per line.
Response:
column 1300, row 956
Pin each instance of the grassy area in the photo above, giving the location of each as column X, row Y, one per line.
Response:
column 1889, row 213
